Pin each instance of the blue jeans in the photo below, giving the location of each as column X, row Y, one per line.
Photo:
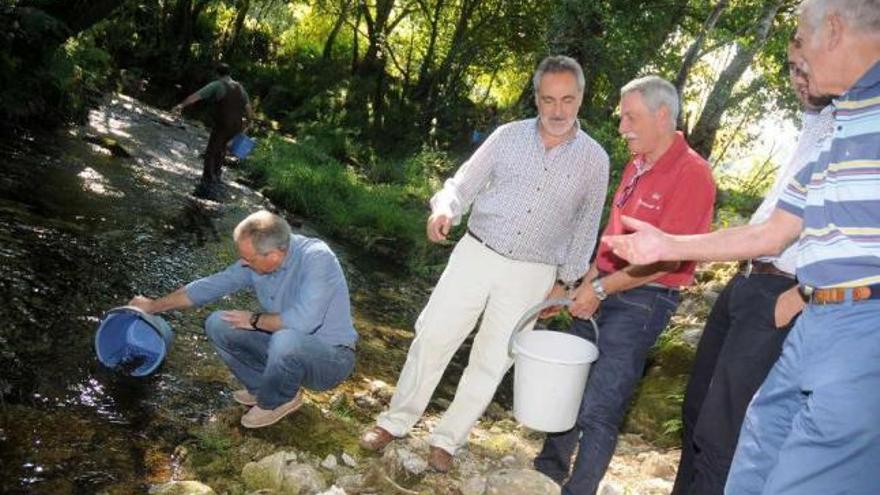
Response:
column 739, row 345
column 814, row 425
column 273, row 366
column 629, row 323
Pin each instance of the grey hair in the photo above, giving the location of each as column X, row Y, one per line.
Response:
column 862, row 15
column 555, row 64
column 266, row 230
column 656, row 92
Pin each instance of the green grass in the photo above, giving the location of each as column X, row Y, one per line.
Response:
column 385, row 219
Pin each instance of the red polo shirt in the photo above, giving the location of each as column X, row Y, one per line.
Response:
column 677, row 195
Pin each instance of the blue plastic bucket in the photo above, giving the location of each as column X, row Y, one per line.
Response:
column 241, row 145
column 132, row 341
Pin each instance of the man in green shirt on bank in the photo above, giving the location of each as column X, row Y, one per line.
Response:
column 231, row 104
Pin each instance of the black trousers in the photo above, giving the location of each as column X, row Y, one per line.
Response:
column 737, row 349
column 215, row 153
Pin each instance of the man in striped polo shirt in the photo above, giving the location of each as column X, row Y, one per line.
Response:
column 814, row 425
column 535, row 190
column 748, row 324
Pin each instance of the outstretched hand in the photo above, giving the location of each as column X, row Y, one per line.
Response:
column 645, row 245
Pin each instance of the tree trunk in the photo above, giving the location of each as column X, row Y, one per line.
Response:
column 425, row 73
column 444, row 74
column 327, row 53
column 702, row 137
column 240, row 15
column 690, row 57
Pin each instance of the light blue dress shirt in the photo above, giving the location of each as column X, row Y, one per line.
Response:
column 308, row 290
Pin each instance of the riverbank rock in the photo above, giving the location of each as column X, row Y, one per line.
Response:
column 282, row 473
column 182, row 488
column 520, row 482
column 404, row 464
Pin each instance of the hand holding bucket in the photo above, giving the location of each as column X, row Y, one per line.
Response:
column 550, row 372
column 132, row 341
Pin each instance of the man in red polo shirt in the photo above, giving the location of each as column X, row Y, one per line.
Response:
column 670, row 186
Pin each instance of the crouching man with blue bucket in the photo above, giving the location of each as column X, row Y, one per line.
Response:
column 302, row 336
column 665, row 184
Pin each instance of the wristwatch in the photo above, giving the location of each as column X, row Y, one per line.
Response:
column 255, row 319
column 598, row 289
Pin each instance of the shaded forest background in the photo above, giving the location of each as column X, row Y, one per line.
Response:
column 382, row 97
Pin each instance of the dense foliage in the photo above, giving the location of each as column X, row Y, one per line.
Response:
column 376, row 85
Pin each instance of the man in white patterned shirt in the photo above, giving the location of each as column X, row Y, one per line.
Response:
column 749, row 322
column 535, row 189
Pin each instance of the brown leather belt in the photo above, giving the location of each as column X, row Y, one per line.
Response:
column 753, row 267
column 834, row 295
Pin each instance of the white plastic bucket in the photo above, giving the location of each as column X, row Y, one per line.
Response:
column 550, row 372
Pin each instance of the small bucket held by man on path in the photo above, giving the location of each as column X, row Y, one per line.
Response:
column 241, row 145
column 550, row 372
column 131, row 341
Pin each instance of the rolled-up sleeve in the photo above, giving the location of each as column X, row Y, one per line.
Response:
column 213, row 287
column 322, row 279
column 459, row 191
column 586, row 229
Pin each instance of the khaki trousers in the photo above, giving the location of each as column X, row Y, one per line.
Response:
column 476, row 281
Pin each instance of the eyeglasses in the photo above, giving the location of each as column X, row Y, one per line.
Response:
column 641, row 169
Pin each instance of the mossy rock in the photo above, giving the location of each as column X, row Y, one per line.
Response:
column 656, row 410
column 311, row 431
column 672, row 357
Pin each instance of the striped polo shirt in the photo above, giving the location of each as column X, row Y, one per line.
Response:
column 838, row 195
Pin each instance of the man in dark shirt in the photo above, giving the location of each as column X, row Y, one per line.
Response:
column 231, row 103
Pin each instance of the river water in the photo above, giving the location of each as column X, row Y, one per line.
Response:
column 81, row 231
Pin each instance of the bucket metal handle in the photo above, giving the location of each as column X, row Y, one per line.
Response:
column 533, row 312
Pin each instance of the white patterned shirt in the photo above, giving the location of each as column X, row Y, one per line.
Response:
column 817, row 129
column 529, row 203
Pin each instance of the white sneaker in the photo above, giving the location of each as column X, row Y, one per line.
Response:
column 258, row 417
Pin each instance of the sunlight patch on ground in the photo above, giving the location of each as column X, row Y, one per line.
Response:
column 94, row 182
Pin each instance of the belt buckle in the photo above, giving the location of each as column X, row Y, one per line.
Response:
column 807, row 292
column 747, row 271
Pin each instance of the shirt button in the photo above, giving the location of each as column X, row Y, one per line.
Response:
column 529, row 210
column 840, row 128
column 539, row 188
column 519, row 233
column 510, row 251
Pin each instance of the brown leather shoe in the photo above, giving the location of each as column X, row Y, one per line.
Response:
column 439, row 459
column 376, row 438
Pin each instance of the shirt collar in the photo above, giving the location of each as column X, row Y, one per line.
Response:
column 868, row 82
column 669, row 157
column 291, row 257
